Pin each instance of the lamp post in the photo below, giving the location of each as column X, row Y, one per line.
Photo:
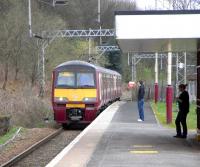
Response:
column 54, row 3
column 29, row 18
column 99, row 11
column 99, row 19
column 44, row 43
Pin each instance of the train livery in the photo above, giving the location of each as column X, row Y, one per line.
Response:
column 81, row 90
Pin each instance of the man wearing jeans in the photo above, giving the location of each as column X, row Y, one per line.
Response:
column 141, row 93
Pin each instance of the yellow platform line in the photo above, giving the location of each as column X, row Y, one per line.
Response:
column 144, row 152
column 142, row 146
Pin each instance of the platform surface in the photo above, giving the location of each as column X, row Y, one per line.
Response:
column 116, row 139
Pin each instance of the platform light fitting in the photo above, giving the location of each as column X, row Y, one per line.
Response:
column 60, row 2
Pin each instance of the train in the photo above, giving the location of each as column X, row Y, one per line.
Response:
column 80, row 91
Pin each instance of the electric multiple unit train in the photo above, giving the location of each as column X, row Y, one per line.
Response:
column 80, row 91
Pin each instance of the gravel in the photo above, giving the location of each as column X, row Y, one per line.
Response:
column 22, row 141
column 43, row 155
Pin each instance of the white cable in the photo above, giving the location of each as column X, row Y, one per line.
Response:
column 2, row 145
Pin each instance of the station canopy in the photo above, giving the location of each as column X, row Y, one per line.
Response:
column 157, row 31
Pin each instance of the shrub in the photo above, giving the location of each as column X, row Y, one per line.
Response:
column 24, row 107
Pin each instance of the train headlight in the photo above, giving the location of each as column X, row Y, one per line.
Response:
column 89, row 99
column 60, row 99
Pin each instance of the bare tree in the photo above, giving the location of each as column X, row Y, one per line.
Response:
column 185, row 4
column 6, row 52
column 108, row 9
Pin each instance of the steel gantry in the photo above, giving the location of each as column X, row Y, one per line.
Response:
column 181, row 66
column 42, row 44
column 180, row 62
column 48, row 37
column 78, row 33
column 102, row 49
column 107, row 48
column 136, row 58
column 181, row 70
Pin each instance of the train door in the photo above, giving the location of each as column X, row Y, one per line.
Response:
column 100, row 87
column 104, row 88
column 115, row 85
column 106, row 81
column 120, row 86
column 109, row 87
column 112, row 87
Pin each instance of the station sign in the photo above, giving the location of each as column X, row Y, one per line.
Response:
column 131, row 84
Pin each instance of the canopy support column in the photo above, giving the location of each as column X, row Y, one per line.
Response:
column 156, row 78
column 169, row 89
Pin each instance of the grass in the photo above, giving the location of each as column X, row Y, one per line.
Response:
column 8, row 135
column 160, row 111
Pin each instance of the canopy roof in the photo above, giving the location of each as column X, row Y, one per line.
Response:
column 157, row 31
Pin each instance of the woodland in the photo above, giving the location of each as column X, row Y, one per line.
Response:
column 19, row 53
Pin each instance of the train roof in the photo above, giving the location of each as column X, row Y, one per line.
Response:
column 86, row 64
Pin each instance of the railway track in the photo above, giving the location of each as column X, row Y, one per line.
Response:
column 28, row 151
column 42, row 152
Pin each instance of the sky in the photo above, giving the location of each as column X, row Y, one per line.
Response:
column 160, row 4
column 151, row 4
column 142, row 4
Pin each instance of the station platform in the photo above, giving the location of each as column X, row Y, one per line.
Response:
column 116, row 139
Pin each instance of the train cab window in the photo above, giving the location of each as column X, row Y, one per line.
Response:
column 66, row 79
column 85, row 80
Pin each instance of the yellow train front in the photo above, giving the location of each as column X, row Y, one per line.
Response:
column 81, row 90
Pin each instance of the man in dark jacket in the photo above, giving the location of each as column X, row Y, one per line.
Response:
column 141, row 93
column 183, row 103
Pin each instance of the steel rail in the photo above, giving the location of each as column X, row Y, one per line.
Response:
column 29, row 150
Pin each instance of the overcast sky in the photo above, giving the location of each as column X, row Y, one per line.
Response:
column 150, row 4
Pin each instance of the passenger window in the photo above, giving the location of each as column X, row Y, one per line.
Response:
column 85, row 80
column 66, row 79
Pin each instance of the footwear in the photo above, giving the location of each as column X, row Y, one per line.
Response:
column 183, row 137
column 139, row 120
column 178, row 136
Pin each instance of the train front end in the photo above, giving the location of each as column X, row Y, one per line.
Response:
column 74, row 94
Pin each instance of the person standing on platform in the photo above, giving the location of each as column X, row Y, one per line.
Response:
column 184, row 105
column 141, row 93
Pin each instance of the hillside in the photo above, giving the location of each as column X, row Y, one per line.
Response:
column 20, row 55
